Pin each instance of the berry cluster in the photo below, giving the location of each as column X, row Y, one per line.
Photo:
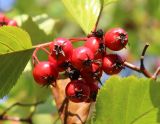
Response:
column 6, row 21
column 83, row 65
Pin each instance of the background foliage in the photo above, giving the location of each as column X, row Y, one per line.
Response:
column 45, row 20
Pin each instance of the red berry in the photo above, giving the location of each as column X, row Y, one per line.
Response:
column 58, row 63
column 112, row 64
column 3, row 20
column 116, row 39
column 82, row 57
column 93, row 91
column 77, row 91
column 12, row 23
column 45, row 73
column 93, row 74
column 61, row 49
column 96, row 46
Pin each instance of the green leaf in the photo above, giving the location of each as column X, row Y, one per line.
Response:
column 41, row 28
column 84, row 11
column 106, row 2
column 45, row 23
column 27, row 88
column 128, row 101
column 15, row 51
column 37, row 35
column 13, row 39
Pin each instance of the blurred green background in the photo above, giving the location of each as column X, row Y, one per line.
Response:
column 140, row 18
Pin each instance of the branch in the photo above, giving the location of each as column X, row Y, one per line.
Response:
column 34, row 55
column 100, row 13
column 4, row 117
column 78, row 39
column 69, row 112
column 142, row 68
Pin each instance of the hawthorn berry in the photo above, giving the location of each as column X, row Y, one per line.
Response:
column 93, row 86
column 61, row 49
column 82, row 57
column 73, row 73
column 112, row 64
column 116, row 39
column 3, row 20
column 6, row 21
column 45, row 73
column 59, row 63
column 96, row 46
column 93, row 74
column 77, row 91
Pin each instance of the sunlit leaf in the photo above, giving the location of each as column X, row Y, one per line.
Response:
column 27, row 90
column 84, row 11
column 128, row 101
column 106, row 2
column 15, row 51
column 37, row 35
column 45, row 23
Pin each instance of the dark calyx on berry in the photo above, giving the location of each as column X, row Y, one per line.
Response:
column 99, row 33
column 87, row 62
column 45, row 73
column 112, row 64
column 49, row 80
column 73, row 74
column 58, row 50
column 77, row 91
column 3, row 23
column 123, row 37
column 116, row 39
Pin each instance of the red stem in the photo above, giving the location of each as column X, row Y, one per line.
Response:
column 78, row 39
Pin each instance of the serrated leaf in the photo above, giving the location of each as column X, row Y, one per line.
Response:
column 84, row 11
column 15, row 51
column 13, row 39
column 128, row 101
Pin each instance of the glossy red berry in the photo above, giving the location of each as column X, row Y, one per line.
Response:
column 3, row 20
column 112, row 64
column 45, row 73
column 93, row 74
column 58, row 63
column 77, row 91
column 93, row 91
column 116, row 39
column 82, row 57
column 96, row 46
column 61, row 49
